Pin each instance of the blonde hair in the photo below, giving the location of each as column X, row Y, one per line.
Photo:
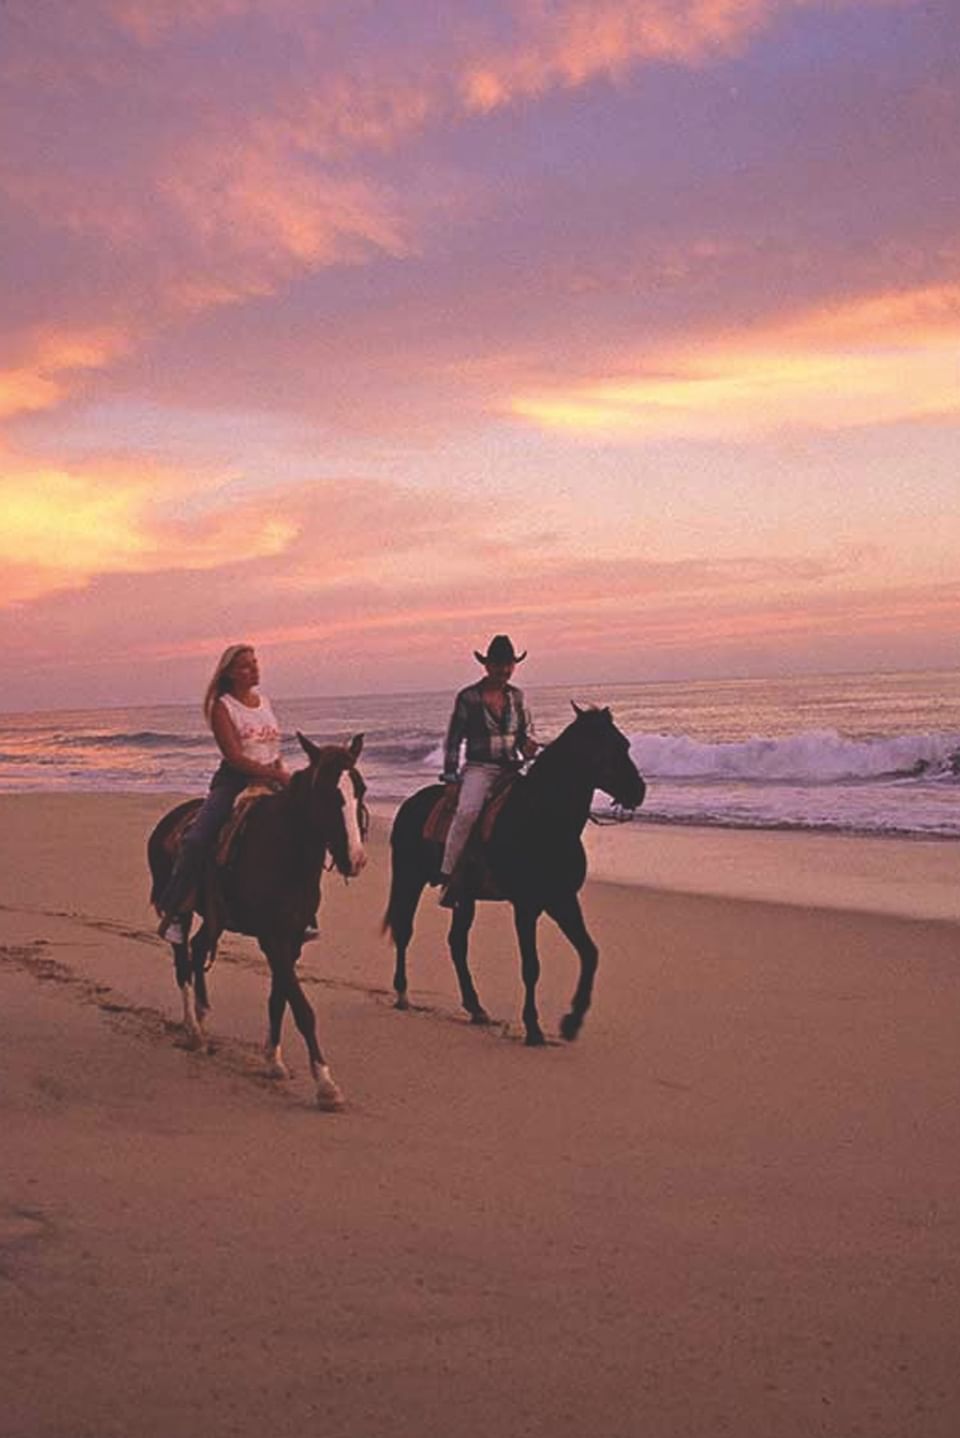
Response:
column 220, row 682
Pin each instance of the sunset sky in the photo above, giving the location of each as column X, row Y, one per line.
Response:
column 364, row 329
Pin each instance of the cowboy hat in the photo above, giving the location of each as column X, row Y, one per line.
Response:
column 500, row 651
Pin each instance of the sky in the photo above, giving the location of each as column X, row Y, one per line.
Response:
column 362, row 330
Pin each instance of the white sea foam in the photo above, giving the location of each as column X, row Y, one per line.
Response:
column 854, row 753
column 817, row 756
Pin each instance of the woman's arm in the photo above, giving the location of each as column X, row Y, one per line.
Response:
column 228, row 743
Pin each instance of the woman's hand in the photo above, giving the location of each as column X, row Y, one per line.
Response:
column 278, row 773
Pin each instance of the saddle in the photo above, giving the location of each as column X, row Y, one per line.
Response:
column 237, row 822
column 472, row 874
column 230, row 833
column 209, row 890
column 436, row 825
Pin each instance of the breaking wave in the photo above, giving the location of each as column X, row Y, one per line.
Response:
column 818, row 756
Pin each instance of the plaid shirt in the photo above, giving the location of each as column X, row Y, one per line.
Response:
column 489, row 740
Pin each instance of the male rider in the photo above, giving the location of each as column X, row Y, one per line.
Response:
column 492, row 719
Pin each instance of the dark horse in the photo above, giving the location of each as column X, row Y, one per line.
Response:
column 270, row 889
column 534, row 858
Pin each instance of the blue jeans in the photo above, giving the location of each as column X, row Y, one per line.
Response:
column 199, row 840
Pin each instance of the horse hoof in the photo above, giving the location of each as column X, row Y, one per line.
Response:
column 402, row 1002
column 570, row 1027
column 329, row 1094
column 479, row 1016
column 535, row 1039
column 276, row 1068
column 194, row 1040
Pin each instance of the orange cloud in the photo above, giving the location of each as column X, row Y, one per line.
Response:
column 264, row 213
column 150, row 20
column 42, row 376
column 929, row 315
column 874, row 360
column 64, row 526
column 569, row 43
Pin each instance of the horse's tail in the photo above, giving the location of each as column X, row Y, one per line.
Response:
column 391, row 914
column 410, row 864
column 159, row 864
column 162, row 844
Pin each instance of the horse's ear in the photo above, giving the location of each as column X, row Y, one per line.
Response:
column 308, row 747
column 576, row 708
column 356, row 747
column 607, row 713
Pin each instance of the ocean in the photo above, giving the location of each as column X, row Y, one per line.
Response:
column 875, row 754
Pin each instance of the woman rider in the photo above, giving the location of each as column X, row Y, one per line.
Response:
column 245, row 728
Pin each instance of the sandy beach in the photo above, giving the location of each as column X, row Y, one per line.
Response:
column 731, row 1207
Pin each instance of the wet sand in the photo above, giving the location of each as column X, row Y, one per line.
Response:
column 732, row 1207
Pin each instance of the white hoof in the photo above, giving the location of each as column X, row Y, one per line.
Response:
column 276, row 1068
column 329, row 1093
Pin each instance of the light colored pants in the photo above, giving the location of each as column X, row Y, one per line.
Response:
column 475, row 786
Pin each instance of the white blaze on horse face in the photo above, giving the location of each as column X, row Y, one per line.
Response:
column 355, row 849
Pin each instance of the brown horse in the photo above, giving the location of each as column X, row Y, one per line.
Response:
column 534, row 860
column 270, row 889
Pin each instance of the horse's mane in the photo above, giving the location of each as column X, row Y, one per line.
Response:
column 586, row 715
column 327, row 755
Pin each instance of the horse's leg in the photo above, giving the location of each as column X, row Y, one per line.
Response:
column 406, row 886
column 457, row 942
column 283, row 958
column 276, row 1007
column 568, row 916
column 183, row 969
column 203, row 948
column 525, row 920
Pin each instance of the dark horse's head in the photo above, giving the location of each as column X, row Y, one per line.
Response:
column 606, row 755
column 330, row 792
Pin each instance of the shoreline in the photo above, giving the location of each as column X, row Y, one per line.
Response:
column 857, row 874
column 915, row 877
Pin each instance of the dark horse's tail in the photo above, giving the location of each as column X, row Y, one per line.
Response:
column 414, row 862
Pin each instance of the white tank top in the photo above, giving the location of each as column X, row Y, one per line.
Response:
column 257, row 729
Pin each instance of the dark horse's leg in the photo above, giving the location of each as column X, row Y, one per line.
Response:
column 414, row 863
column 282, row 955
column 406, row 885
column 567, row 914
column 457, row 940
column 276, row 1008
column 525, row 919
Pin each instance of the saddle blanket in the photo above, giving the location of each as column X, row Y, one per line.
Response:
column 436, row 825
column 233, row 828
